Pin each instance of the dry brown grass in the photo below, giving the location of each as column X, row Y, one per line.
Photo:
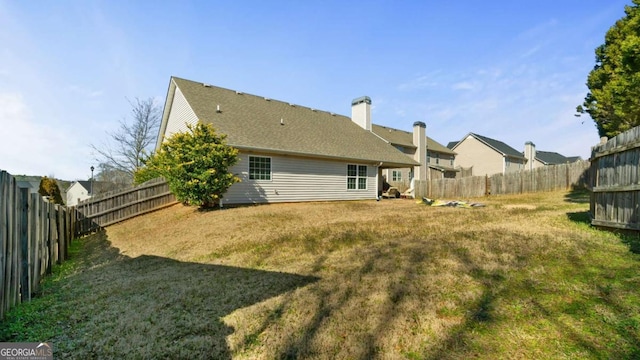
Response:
column 523, row 277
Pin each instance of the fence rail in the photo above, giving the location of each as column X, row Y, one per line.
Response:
column 547, row 178
column 116, row 206
column 34, row 235
column 615, row 196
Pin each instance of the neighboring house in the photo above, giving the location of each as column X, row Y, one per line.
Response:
column 287, row 152
column 487, row 156
column 83, row 190
column 441, row 160
column 78, row 191
column 544, row 158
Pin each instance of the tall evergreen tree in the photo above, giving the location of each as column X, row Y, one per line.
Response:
column 613, row 101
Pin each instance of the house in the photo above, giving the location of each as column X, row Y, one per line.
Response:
column 537, row 158
column 287, row 152
column 78, row 191
column 440, row 159
column 487, row 156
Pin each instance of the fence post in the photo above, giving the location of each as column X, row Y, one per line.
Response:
column 487, row 188
column 25, row 288
column 51, row 243
column 4, row 231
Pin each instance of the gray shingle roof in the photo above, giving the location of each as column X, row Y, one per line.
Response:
column 405, row 139
column 551, row 158
column 258, row 123
column 498, row 146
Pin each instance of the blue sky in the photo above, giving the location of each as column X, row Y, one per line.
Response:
column 510, row 70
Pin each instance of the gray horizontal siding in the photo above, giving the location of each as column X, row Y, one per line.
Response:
column 180, row 115
column 296, row 179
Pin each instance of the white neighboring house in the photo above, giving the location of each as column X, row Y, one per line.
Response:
column 287, row 152
column 78, row 191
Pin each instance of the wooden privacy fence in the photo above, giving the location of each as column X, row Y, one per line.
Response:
column 34, row 235
column 112, row 207
column 615, row 192
column 546, row 178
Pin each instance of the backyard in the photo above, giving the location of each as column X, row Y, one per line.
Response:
column 523, row 277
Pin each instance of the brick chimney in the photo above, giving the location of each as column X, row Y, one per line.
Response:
column 361, row 112
column 529, row 154
column 420, row 141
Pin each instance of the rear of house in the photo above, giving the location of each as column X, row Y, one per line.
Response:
column 287, row 152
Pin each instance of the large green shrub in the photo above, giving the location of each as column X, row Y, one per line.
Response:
column 195, row 164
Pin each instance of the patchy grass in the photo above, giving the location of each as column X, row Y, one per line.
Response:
column 524, row 277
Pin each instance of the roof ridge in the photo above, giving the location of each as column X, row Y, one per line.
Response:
column 238, row 92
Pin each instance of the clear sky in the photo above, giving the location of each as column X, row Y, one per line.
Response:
column 512, row 70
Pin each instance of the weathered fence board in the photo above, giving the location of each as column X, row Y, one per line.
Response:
column 547, row 178
column 34, row 235
column 615, row 165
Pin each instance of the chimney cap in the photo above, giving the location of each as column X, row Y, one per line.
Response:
column 360, row 100
column 419, row 123
column 530, row 143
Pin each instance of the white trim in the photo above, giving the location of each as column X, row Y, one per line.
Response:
column 270, row 167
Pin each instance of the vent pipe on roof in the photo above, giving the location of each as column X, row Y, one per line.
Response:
column 281, row 121
column 218, row 108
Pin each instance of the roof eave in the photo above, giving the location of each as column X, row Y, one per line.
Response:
column 380, row 163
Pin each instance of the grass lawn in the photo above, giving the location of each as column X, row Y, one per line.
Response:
column 524, row 277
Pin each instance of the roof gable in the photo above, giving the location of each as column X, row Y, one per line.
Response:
column 258, row 123
column 496, row 145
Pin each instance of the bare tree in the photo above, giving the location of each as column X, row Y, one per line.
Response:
column 128, row 147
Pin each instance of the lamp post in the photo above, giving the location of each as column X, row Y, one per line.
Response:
column 91, row 184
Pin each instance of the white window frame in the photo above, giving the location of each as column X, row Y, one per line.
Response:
column 252, row 157
column 357, row 177
column 396, row 175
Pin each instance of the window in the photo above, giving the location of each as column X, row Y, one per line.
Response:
column 356, row 177
column 428, row 157
column 452, row 160
column 396, row 175
column 259, row 168
column 437, row 156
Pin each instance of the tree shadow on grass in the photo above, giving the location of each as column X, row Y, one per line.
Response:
column 578, row 195
column 581, row 217
column 155, row 307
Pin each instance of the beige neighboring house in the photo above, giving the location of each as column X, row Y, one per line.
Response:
column 487, row 156
column 287, row 152
column 440, row 159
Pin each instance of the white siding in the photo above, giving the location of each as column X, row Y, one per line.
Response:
column 296, row 179
column 76, row 193
column 180, row 115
